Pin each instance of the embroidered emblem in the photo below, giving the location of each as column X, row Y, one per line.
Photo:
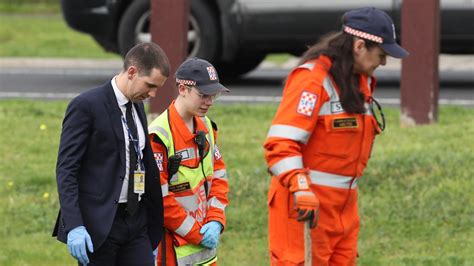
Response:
column 302, row 182
column 159, row 160
column 307, row 103
column 212, row 72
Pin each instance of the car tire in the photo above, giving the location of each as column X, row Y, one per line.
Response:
column 203, row 34
column 206, row 25
column 134, row 20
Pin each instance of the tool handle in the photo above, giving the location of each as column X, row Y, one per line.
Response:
column 307, row 244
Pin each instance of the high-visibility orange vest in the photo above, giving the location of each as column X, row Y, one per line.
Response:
column 187, row 205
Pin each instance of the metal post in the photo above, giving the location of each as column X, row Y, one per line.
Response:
column 420, row 77
column 169, row 28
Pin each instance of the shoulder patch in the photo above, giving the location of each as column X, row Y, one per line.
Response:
column 307, row 103
column 159, row 160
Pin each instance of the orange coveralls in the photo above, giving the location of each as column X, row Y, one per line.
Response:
column 311, row 134
column 174, row 214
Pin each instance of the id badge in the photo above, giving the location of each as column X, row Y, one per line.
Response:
column 139, row 181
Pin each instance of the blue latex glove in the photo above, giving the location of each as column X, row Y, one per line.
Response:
column 211, row 232
column 77, row 239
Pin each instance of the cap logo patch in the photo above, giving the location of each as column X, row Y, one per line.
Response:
column 212, row 73
column 307, row 103
column 363, row 35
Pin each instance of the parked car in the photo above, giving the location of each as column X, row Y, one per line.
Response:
column 236, row 35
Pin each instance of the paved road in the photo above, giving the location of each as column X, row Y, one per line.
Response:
column 63, row 79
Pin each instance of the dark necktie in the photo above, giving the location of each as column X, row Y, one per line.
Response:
column 132, row 199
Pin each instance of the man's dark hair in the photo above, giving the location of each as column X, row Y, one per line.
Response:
column 338, row 47
column 147, row 56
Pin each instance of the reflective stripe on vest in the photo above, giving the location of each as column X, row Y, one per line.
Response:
column 195, row 255
column 220, row 174
column 289, row 132
column 287, row 164
column 187, row 154
column 309, row 66
column 332, row 180
column 185, row 226
column 214, row 202
column 164, row 190
column 333, row 106
column 196, row 204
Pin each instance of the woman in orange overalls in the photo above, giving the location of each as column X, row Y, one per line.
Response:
column 321, row 138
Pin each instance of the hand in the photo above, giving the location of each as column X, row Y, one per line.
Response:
column 211, row 232
column 306, row 203
column 77, row 239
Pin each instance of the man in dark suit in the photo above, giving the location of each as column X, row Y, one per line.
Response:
column 111, row 210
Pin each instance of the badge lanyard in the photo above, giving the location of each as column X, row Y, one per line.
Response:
column 135, row 142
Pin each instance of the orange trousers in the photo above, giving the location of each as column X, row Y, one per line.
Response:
column 334, row 240
column 170, row 253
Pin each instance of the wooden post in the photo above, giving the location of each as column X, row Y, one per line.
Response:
column 420, row 77
column 308, row 249
column 169, row 29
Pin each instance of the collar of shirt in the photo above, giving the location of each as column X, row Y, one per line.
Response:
column 121, row 99
column 178, row 124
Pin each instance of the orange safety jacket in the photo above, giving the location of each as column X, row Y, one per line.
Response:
column 181, row 223
column 312, row 134
column 311, row 131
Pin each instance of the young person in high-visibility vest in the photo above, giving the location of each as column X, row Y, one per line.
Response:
column 192, row 171
column 321, row 139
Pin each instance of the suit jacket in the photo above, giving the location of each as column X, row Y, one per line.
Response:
column 91, row 168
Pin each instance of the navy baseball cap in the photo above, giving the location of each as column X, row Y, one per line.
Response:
column 375, row 25
column 200, row 74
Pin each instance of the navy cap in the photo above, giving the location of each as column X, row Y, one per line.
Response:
column 200, row 74
column 375, row 25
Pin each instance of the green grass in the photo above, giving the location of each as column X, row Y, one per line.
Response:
column 45, row 35
column 416, row 199
column 278, row 59
column 29, row 6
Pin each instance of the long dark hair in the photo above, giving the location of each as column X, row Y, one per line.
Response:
column 338, row 47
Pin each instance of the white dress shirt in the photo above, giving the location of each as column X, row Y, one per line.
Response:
column 122, row 101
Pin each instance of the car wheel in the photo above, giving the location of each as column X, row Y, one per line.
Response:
column 203, row 33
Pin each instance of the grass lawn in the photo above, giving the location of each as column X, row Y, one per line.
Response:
column 416, row 199
column 45, row 35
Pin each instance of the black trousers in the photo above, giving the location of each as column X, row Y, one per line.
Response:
column 127, row 243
